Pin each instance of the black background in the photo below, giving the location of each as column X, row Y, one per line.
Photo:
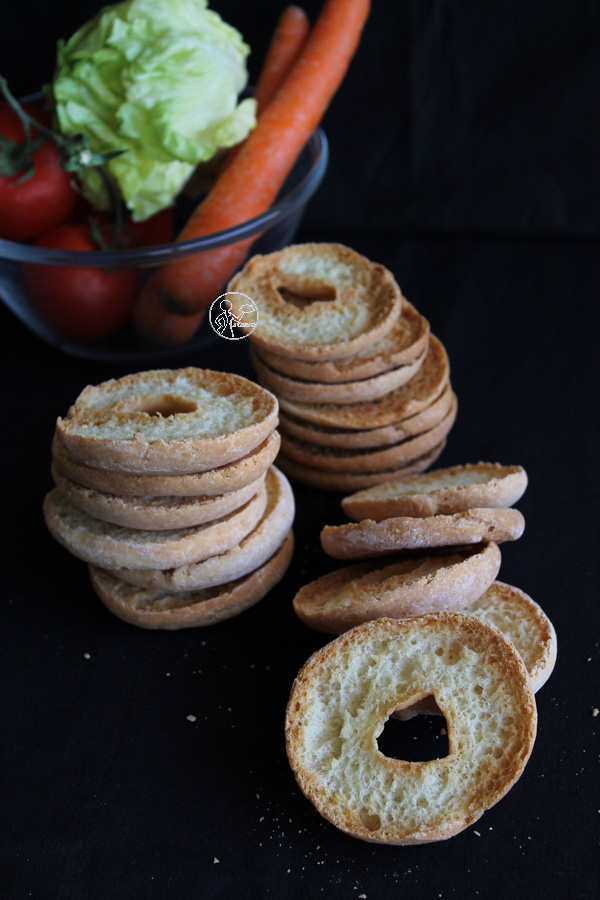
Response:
column 464, row 156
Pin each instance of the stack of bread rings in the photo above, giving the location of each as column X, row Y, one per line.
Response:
column 424, row 628
column 165, row 485
column 363, row 386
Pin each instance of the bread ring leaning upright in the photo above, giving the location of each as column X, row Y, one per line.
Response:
column 347, row 690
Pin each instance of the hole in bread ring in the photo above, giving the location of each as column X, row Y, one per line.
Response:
column 413, row 737
column 304, row 296
column 348, row 690
column 168, row 422
column 162, row 405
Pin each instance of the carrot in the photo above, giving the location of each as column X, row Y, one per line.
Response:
column 251, row 183
column 290, row 34
column 156, row 327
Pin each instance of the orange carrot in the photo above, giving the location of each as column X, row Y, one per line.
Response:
column 290, row 34
column 288, row 38
column 251, row 183
column 155, row 327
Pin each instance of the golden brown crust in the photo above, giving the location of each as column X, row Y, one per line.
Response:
column 368, row 539
column 251, row 552
column 362, row 300
column 153, row 513
column 192, row 609
column 321, row 392
column 373, row 438
column 344, row 694
column 403, row 344
column 168, row 421
column 522, row 621
column 231, row 477
column 403, row 403
column 336, row 459
column 440, row 491
column 110, row 546
column 346, row 482
column 410, row 587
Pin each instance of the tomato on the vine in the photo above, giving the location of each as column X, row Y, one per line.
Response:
column 81, row 303
column 31, row 205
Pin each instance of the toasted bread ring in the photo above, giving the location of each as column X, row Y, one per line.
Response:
column 403, row 344
column 413, row 586
column 343, row 696
column 342, row 302
column 168, row 421
column 368, row 539
column 158, row 609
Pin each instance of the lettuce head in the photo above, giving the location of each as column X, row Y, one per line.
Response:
column 158, row 81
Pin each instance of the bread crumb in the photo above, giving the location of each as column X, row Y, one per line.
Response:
column 192, row 719
column 443, row 731
column 595, row 711
column 87, row 656
column 215, row 860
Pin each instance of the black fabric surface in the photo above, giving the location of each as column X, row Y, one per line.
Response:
column 465, row 158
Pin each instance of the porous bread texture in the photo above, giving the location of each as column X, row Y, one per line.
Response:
column 336, row 459
column 153, row 513
column 223, row 479
column 251, row 552
column 406, row 401
column 524, row 622
column 343, row 695
column 346, row 482
column 368, row 539
column 318, row 301
column 402, row 345
column 111, row 546
column 322, row 392
column 192, row 609
column 370, row 438
column 442, row 491
column 355, row 594
column 168, row 421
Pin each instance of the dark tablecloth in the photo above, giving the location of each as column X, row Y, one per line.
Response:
column 109, row 790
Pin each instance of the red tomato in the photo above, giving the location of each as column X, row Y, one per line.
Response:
column 85, row 303
column 31, row 207
column 158, row 229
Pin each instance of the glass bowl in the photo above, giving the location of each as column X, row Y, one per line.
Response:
column 274, row 229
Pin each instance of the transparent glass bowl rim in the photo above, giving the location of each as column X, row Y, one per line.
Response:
column 318, row 148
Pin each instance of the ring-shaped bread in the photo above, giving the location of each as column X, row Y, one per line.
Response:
column 318, row 301
column 402, row 345
column 343, row 696
column 168, row 421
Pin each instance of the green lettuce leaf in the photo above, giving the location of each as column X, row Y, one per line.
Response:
column 158, row 80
